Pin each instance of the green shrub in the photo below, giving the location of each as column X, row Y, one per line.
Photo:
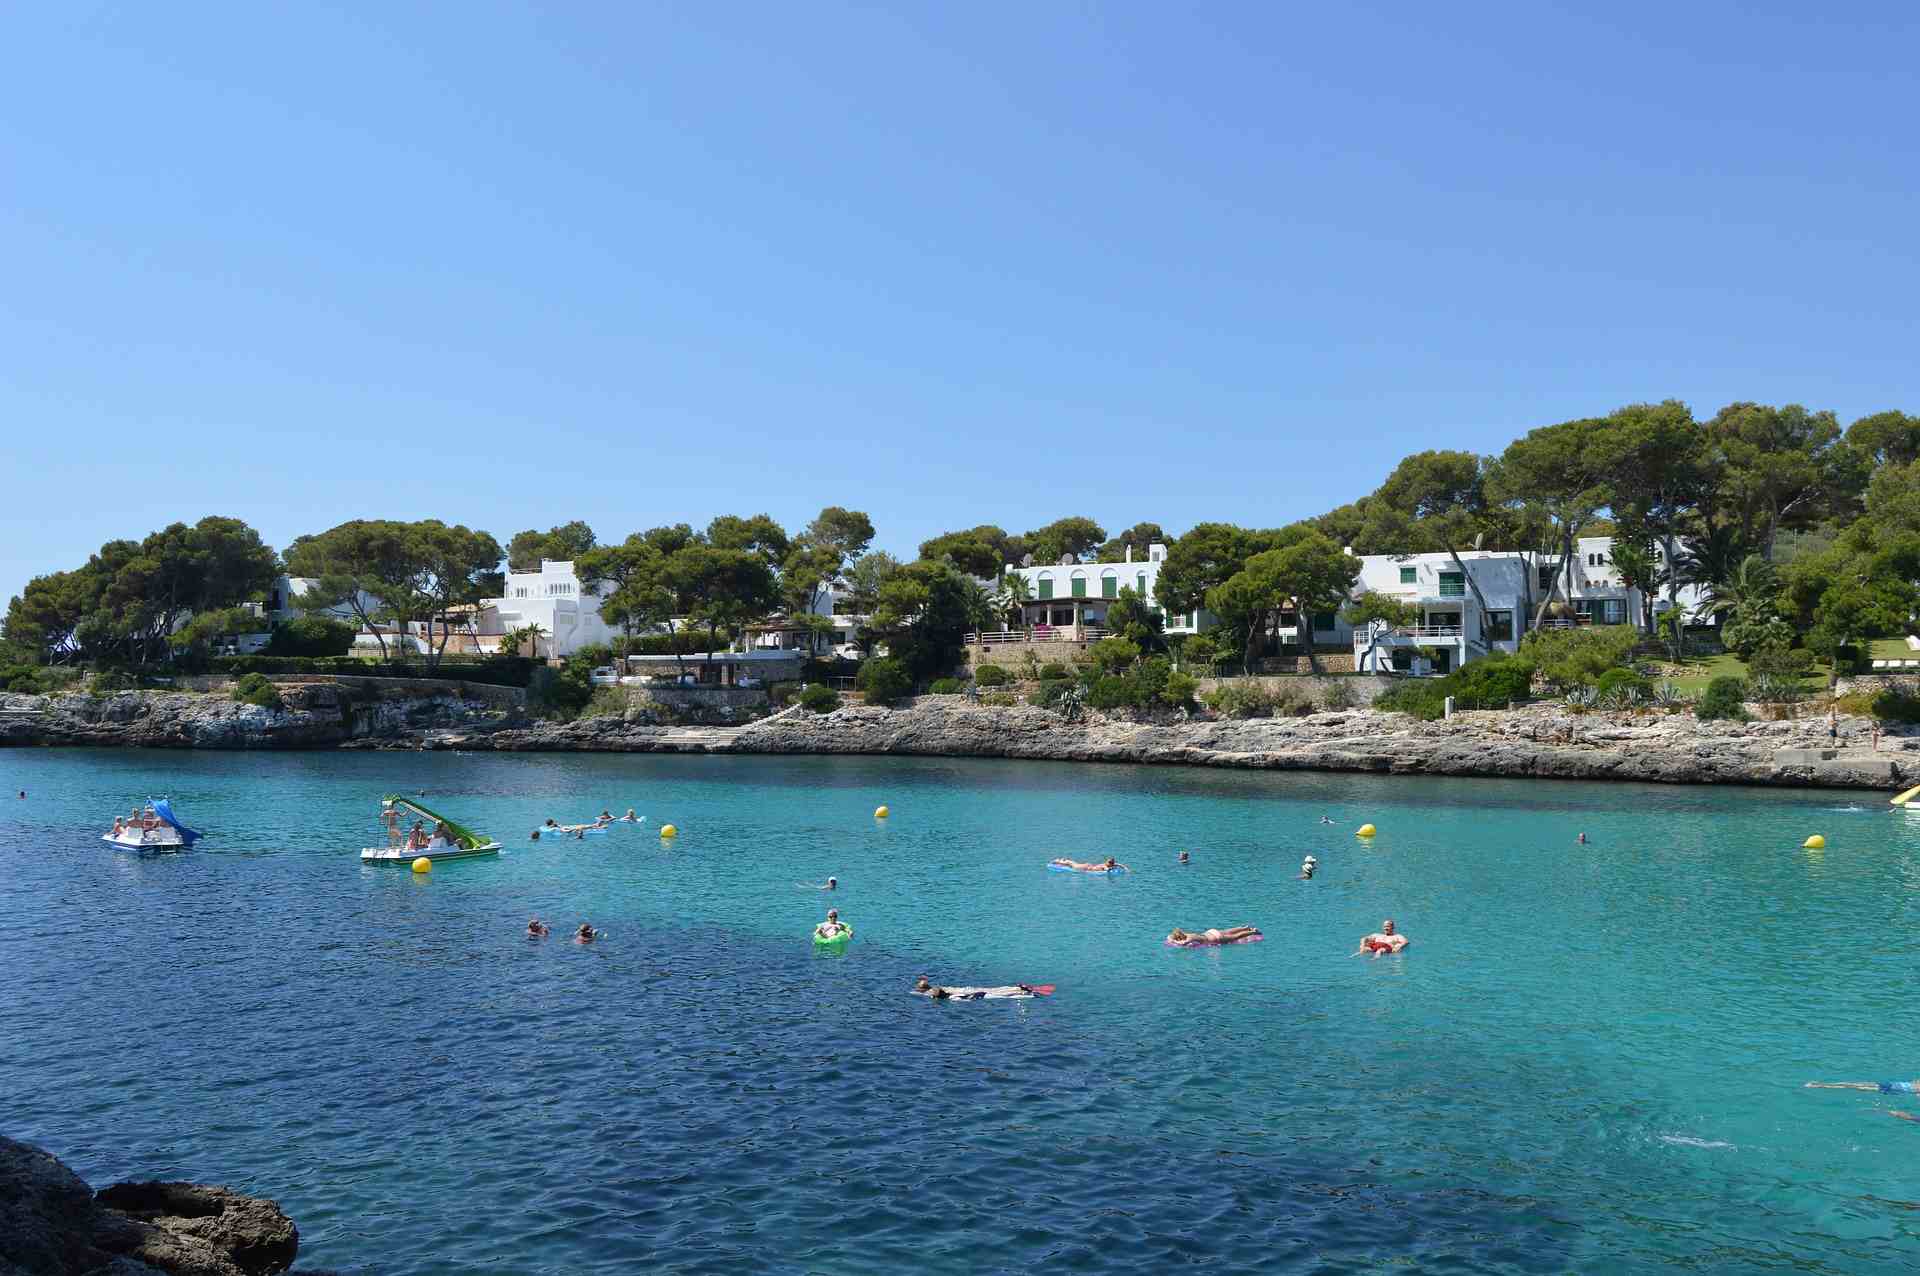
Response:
column 253, row 688
column 1492, row 683
column 1893, row 705
column 1179, row 690
column 947, row 687
column 1055, row 670
column 1617, row 679
column 311, row 636
column 1565, row 657
column 1781, row 662
column 606, row 702
column 820, row 698
column 1113, row 655
column 1418, row 697
column 27, row 679
column 493, row 671
column 1240, row 700
column 1112, row 691
column 1051, row 689
column 1725, row 699
column 998, row 699
column 992, row 676
column 884, row 680
column 561, row 693
column 109, row 680
column 1339, row 695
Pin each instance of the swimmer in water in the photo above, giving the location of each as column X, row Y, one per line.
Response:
column 1583, row 839
column 1385, row 940
column 1109, row 866
column 833, row 927
column 585, row 935
column 551, row 823
column 606, row 816
column 1326, row 819
column 1883, row 1087
column 831, row 884
column 630, row 817
column 925, row 988
column 535, row 837
column 1307, row 866
column 1184, row 858
column 537, row 929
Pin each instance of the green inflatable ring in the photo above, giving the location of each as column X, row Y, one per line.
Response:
column 838, row 941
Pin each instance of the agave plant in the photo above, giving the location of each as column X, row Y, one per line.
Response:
column 1620, row 698
column 1582, row 697
column 1666, row 695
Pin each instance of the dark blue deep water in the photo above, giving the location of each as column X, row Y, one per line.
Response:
column 1591, row 1058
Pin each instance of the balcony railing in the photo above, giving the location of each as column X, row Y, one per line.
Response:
column 1037, row 633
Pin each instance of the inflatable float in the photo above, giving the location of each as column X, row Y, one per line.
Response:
column 1009, row 992
column 1201, row 941
column 835, row 942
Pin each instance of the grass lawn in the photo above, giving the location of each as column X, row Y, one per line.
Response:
column 1704, row 669
column 1893, row 649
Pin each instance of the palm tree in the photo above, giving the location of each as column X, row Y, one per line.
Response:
column 525, row 640
column 1013, row 591
column 1754, row 581
column 1710, row 558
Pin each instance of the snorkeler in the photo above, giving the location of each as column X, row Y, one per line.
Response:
column 586, row 934
column 537, row 929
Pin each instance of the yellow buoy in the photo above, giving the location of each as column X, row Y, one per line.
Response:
column 879, row 812
column 669, row 830
column 1814, row 843
column 423, row 865
column 1365, row 830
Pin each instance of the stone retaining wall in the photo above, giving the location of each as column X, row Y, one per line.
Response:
column 680, row 697
column 1366, row 687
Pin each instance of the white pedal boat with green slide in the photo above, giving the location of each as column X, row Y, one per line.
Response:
column 457, row 843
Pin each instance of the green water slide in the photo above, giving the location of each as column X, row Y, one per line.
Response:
column 463, row 836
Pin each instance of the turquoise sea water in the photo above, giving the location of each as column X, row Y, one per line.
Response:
column 1590, row 1059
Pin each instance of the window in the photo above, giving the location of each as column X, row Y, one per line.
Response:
column 1046, row 587
column 1079, row 584
column 1453, row 585
column 1109, row 586
column 1322, row 621
column 1547, row 572
column 1409, row 575
column 1499, row 626
column 1140, row 584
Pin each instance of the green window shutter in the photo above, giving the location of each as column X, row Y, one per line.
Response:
column 1140, row 584
column 1046, row 587
column 1109, row 586
column 1079, row 586
column 1409, row 575
column 1452, row 585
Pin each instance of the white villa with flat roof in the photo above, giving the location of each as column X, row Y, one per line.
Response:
column 553, row 598
column 1071, row 598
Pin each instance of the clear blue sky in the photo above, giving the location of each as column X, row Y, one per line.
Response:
column 949, row 264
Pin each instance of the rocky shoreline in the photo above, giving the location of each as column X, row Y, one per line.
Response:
column 1538, row 741
column 53, row 1224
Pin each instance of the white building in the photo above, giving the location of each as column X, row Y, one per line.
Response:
column 553, row 598
column 1073, row 597
column 788, row 634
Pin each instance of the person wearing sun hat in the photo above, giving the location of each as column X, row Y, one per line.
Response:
column 1307, row 867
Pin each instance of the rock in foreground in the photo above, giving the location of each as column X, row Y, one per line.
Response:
column 53, row 1224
